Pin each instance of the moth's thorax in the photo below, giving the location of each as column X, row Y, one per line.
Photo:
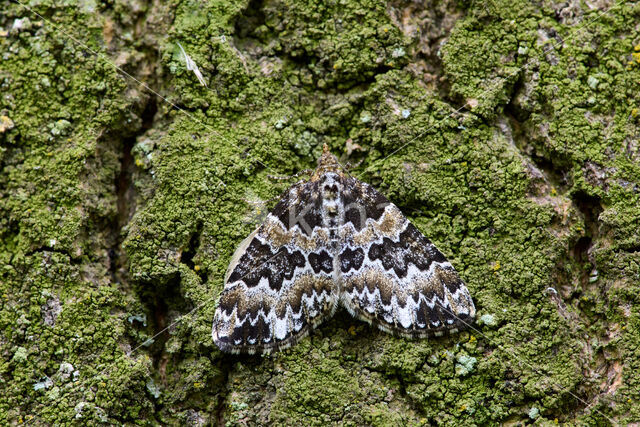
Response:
column 330, row 186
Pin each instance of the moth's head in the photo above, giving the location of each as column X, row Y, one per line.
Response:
column 327, row 163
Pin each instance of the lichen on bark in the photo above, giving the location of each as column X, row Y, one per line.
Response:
column 507, row 132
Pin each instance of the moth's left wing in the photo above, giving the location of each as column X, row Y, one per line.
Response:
column 279, row 283
column 391, row 274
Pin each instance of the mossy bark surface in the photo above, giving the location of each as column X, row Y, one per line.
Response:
column 506, row 131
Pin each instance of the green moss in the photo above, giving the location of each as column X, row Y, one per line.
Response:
column 60, row 306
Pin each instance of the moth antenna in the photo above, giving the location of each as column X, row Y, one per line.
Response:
column 350, row 165
column 289, row 177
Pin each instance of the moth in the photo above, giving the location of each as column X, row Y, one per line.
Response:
column 335, row 241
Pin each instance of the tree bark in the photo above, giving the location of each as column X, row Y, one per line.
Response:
column 507, row 132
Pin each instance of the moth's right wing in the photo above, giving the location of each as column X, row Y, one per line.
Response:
column 392, row 275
